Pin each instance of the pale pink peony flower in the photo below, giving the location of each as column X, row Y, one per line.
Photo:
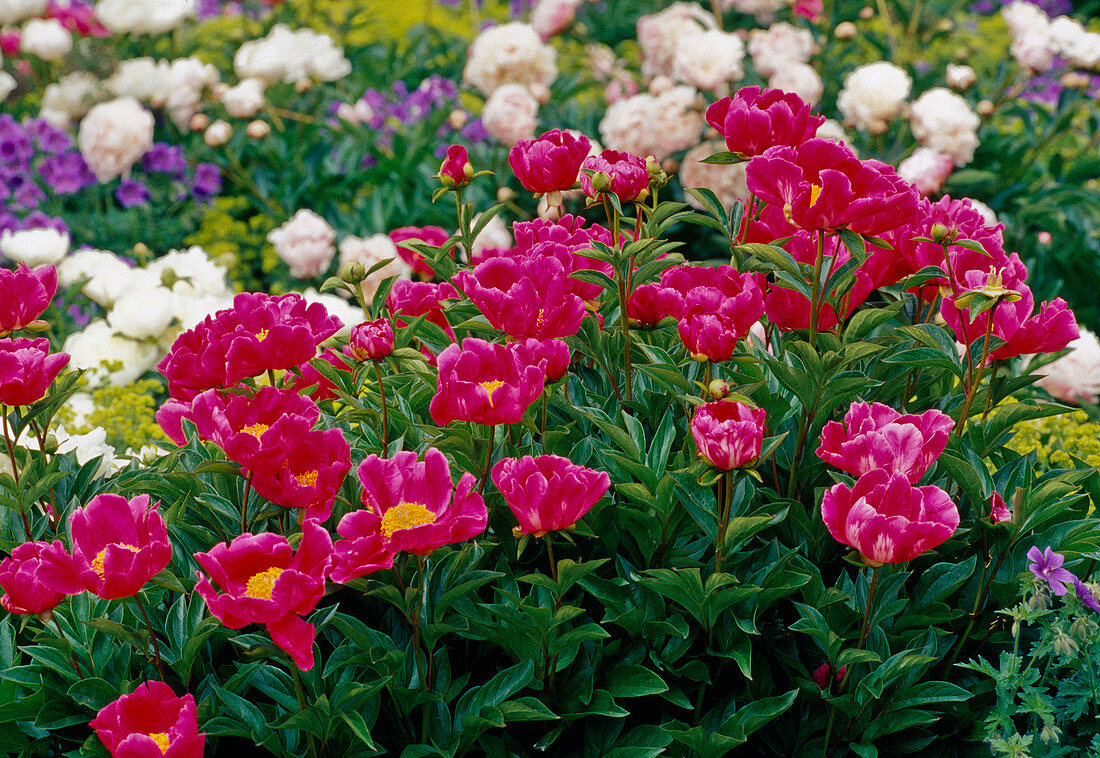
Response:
column 727, row 182
column 509, row 54
column 1076, row 375
column 659, row 35
column 305, row 243
column 926, row 170
column 709, row 59
column 511, row 114
column 649, row 125
column 113, row 136
column 799, row 79
column 779, row 46
column 552, row 16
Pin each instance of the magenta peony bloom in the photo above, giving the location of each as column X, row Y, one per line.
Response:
column 150, row 722
column 650, row 303
column 264, row 581
column 875, row 436
column 27, row 369
column 435, row 236
column 561, row 240
column 456, row 170
column 486, row 383
column 419, row 509
column 371, row 340
column 548, row 493
column 999, row 512
column 727, row 434
column 821, row 184
column 554, row 352
column 259, row 333
column 719, row 312
column 528, row 296
column 627, row 174
column 363, row 549
column 24, row 294
column 754, row 120
column 118, row 546
column 314, row 466
column 550, row 163
column 24, row 591
column 887, row 519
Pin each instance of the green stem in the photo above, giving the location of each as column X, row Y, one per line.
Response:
column 14, row 467
column 244, row 502
column 550, row 555
column 975, row 375
column 723, row 520
column 152, row 637
column 68, row 644
column 422, row 591
column 299, row 692
column 488, row 460
column 385, row 414
column 815, row 288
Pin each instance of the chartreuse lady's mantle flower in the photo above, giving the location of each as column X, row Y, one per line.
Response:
column 263, row 580
column 150, row 722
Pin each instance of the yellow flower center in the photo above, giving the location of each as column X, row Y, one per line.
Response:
column 308, row 479
column 161, row 738
column 541, row 318
column 255, row 429
column 261, row 335
column 815, row 193
column 97, row 562
column 492, row 387
column 405, row 516
column 262, row 584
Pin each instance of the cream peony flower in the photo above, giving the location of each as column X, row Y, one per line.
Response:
column 71, row 96
column 245, row 99
column 143, row 79
column 35, row 247
column 799, row 79
column 709, row 59
column 943, row 121
column 110, row 357
column 727, row 182
column 14, row 11
column 113, row 136
column 778, row 46
column 290, row 56
column 511, row 114
column 305, row 243
column 369, row 252
column 510, row 54
column 1076, row 375
column 46, row 38
column 659, row 35
column 873, row 95
column 144, row 16
column 926, row 170
column 658, row 126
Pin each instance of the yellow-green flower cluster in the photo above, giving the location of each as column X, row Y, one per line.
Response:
column 127, row 413
column 1056, row 438
column 236, row 238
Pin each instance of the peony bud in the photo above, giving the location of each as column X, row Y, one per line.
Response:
column 257, row 129
column 456, row 171
column 371, row 340
column 845, row 30
column 718, row 389
column 940, row 233
column 985, row 108
column 199, row 122
column 218, row 133
column 353, row 272
column 866, row 13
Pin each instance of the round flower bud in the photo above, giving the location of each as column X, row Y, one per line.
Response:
column 218, row 133
column 353, row 272
column 718, row 389
column 257, row 129
column 199, row 122
column 985, row 108
column 845, row 30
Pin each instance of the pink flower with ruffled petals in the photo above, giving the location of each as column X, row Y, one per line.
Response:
column 27, row 369
column 371, row 340
column 561, row 240
column 550, row 163
column 265, row 581
column 717, row 315
column 528, row 296
column 548, row 493
column 554, row 352
column 486, row 383
column 24, row 294
column 150, row 722
column 118, row 546
column 362, row 550
column 408, row 300
column 419, row 509
column 24, row 591
column 728, row 434
column 875, row 436
column 315, row 463
column 821, row 184
column 999, row 512
column 887, row 519
column 627, row 175
column 754, row 120
column 651, row 303
column 428, row 235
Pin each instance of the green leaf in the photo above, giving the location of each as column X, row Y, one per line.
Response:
column 631, row 680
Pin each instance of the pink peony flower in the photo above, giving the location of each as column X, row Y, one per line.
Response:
column 371, row 340
column 550, row 163
column 456, row 171
column 999, row 512
column 315, row 463
column 263, row 580
column 24, row 591
column 150, row 722
column 754, row 120
column 27, row 369
column 486, row 383
column 875, row 436
column 717, row 315
column 1076, row 375
column 626, row 174
column 548, row 493
column 428, row 235
column 562, row 239
column 887, row 519
column 118, row 546
column 24, row 294
column 926, row 170
column 554, row 352
column 419, row 509
column 362, row 550
column 727, row 434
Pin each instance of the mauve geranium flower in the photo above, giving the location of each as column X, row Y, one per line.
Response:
column 887, row 519
column 549, row 163
column 549, row 492
column 821, row 184
column 528, row 296
column 371, row 340
column 265, row 581
column 24, row 591
column 428, row 235
column 456, row 170
column 485, row 383
column 24, row 294
column 728, row 434
column 1047, row 565
column 150, row 722
column 118, row 546
column 419, row 509
column 875, row 436
column 362, row 550
column 315, row 463
column 627, row 174
column 754, row 120
column 27, row 369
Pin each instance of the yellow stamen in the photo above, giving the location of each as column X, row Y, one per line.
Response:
column 492, row 387
column 308, row 479
column 405, row 516
column 541, row 318
column 815, row 193
column 255, row 429
column 97, row 562
column 261, row 335
column 161, row 738
column 262, row 584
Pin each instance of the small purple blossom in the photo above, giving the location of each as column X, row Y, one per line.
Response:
column 1085, row 594
column 208, row 181
column 131, row 192
column 163, row 158
column 1047, row 565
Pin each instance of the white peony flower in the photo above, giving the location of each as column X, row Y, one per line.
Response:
column 113, row 136
column 763, row 10
column 105, row 275
column 494, row 235
column 658, row 126
column 187, row 79
column 709, row 59
column 245, row 99
column 727, row 182
column 305, row 243
column 109, row 357
column 290, row 56
column 832, row 129
column 799, row 79
column 143, row 79
column 191, row 273
column 960, row 77
column 370, row 252
column 7, row 84
column 143, row 312
column 1023, row 17
column 511, row 114
column 659, row 35
column 35, row 247
column 71, row 97
column 986, row 212
column 873, row 95
column 14, row 11
column 1032, row 51
column 549, row 17
column 778, row 46
column 510, row 54
column 943, row 121
column 144, row 16
column 87, row 448
column 46, row 38
column 926, row 170
column 1076, row 375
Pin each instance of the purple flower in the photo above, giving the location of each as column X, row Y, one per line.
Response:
column 1047, row 565
column 1086, row 595
column 165, row 159
column 65, row 173
column 39, row 220
column 208, row 181
column 49, row 138
column 131, row 192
